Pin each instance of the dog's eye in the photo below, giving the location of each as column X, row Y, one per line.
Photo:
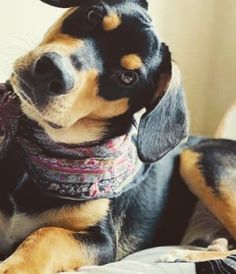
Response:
column 127, row 78
column 94, row 16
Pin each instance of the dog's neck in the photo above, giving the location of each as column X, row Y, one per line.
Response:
column 78, row 172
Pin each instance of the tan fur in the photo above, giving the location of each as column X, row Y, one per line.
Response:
column 54, row 32
column 111, row 22
column 76, row 218
column 223, row 206
column 47, row 251
column 131, row 62
column 107, row 109
column 198, row 256
column 194, row 255
column 126, row 247
column 85, row 130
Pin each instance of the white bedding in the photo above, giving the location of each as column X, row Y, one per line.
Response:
column 143, row 262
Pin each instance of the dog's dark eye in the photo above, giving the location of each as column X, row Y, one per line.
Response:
column 127, row 78
column 94, row 16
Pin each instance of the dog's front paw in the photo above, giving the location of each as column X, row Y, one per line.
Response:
column 184, row 255
column 175, row 255
column 11, row 267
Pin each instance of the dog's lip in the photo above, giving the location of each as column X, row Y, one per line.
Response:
column 53, row 125
column 19, row 91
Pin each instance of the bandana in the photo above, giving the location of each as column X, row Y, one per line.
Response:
column 77, row 172
column 9, row 116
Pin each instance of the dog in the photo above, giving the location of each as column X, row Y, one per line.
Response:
column 96, row 178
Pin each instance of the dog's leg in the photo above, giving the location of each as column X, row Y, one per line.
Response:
column 209, row 171
column 51, row 250
column 204, row 230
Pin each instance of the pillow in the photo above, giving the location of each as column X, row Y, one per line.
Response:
column 227, row 127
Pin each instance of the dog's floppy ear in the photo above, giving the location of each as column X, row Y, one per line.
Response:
column 143, row 3
column 73, row 3
column 62, row 3
column 165, row 123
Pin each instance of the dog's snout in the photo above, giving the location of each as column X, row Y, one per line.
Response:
column 45, row 64
column 53, row 75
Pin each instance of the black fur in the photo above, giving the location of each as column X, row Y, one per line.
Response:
column 72, row 3
column 62, row 3
column 215, row 156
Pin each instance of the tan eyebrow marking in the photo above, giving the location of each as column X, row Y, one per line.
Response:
column 131, row 62
column 111, row 22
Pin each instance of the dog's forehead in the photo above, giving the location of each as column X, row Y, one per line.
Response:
column 126, row 28
column 123, row 12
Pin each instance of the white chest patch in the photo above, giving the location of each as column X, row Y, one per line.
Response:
column 16, row 229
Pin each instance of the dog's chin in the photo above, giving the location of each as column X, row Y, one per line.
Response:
column 31, row 111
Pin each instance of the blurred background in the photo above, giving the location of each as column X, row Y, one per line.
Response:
column 201, row 35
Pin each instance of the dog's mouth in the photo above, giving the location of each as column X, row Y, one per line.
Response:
column 53, row 125
column 22, row 89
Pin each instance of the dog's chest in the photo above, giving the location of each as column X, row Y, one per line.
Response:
column 78, row 217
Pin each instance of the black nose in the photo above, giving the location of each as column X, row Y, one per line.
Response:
column 52, row 75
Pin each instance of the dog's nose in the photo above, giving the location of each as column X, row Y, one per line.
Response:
column 53, row 75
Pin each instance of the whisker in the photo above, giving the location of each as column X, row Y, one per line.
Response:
column 70, row 120
column 24, row 39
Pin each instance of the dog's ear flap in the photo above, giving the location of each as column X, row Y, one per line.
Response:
column 143, row 3
column 73, row 3
column 62, row 3
column 165, row 123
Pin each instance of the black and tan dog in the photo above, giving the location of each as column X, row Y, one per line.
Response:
column 98, row 66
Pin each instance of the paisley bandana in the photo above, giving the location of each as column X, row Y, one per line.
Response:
column 9, row 116
column 77, row 172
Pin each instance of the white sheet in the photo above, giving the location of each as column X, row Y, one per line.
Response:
column 143, row 262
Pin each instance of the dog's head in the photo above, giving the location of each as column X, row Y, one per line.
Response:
column 98, row 65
